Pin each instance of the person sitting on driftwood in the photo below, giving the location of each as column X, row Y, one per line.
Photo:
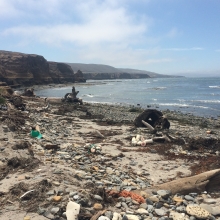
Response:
column 74, row 92
column 71, row 97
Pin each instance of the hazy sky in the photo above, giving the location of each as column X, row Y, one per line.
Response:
column 164, row 36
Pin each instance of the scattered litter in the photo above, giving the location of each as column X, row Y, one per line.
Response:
column 25, row 194
column 93, row 148
column 72, row 210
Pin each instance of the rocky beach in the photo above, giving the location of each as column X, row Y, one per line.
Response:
column 86, row 159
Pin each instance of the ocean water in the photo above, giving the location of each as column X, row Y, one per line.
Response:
column 199, row 96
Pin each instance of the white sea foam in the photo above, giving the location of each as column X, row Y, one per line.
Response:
column 208, row 101
column 215, row 87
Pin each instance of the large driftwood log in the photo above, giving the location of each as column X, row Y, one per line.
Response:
column 152, row 117
column 208, row 181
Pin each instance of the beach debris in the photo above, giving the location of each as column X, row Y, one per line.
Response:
column 97, row 215
column 45, row 108
column 125, row 193
column 209, row 180
column 116, row 216
column 35, row 133
column 71, row 97
column 154, row 119
column 93, row 148
column 18, row 102
column 139, row 140
column 98, row 134
column 28, row 92
column 25, row 194
column 72, row 210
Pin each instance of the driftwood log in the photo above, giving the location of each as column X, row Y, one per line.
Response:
column 152, row 117
column 208, row 181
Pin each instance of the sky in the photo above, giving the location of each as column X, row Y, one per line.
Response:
column 180, row 37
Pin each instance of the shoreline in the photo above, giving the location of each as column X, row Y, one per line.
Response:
column 197, row 111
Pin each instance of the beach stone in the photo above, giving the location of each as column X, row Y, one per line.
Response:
column 118, row 205
column 178, row 216
column 164, row 193
column 181, row 208
column 189, row 198
column 71, row 194
column 75, row 197
column 124, row 205
column 144, row 206
column 158, row 205
column 57, row 198
column 197, row 211
column 132, row 217
column 109, row 214
column 154, row 198
column 160, row 212
column 103, row 218
column 98, row 206
column 177, row 199
column 210, row 201
column 124, row 217
column 55, row 210
column 56, row 183
column 214, row 210
column 149, row 202
column 116, row 216
column 142, row 211
column 27, row 218
column 98, row 197
column 150, row 208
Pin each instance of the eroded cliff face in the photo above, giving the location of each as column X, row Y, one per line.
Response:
column 30, row 69
column 101, row 76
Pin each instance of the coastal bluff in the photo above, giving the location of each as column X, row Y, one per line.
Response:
column 30, row 69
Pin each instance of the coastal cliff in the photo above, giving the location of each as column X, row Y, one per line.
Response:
column 30, row 69
column 100, row 76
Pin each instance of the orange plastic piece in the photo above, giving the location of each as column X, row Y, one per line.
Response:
column 134, row 196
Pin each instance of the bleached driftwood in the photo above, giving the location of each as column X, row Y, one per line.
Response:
column 209, row 181
column 148, row 125
column 21, row 197
column 95, row 217
column 97, row 133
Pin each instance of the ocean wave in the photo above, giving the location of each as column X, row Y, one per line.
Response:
column 215, row 87
column 88, row 95
column 157, row 88
column 175, row 104
column 185, row 105
column 207, row 101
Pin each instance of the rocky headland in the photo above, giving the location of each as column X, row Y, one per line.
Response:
column 87, row 161
column 19, row 69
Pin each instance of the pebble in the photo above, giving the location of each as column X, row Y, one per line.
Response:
column 160, row 212
column 97, row 197
column 98, row 206
column 57, row 198
column 55, row 210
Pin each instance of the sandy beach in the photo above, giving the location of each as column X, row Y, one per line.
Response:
column 61, row 167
